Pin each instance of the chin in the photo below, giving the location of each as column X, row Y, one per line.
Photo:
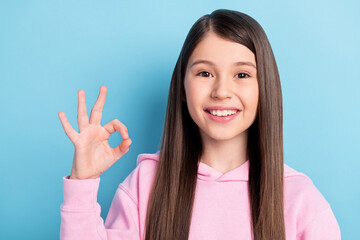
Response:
column 221, row 137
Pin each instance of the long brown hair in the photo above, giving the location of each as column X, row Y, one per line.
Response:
column 172, row 196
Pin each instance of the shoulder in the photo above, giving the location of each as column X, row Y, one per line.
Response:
column 140, row 180
column 300, row 188
column 148, row 157
column 302, row 199
column 147, row 165
column 306, row 205
column 145, row 169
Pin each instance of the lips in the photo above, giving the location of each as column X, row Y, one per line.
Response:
column 222, row 119
column 221, row 108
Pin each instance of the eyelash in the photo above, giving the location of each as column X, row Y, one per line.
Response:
column 236, row 74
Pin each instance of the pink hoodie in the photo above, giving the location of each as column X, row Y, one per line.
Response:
column 221, row 208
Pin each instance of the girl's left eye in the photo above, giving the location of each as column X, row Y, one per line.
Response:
column 243, row 75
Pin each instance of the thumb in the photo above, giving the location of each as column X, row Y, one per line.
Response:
column 122, row 148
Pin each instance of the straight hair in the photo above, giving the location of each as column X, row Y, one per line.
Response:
column 171, row 199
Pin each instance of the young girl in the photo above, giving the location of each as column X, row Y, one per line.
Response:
column 219, row 173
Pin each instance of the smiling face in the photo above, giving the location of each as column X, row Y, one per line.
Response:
column 221, row 74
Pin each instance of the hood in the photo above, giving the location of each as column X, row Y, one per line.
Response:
column 207, row 173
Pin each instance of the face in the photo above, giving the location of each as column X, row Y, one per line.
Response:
column 226, row 79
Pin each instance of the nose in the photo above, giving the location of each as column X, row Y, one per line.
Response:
column 221, row 88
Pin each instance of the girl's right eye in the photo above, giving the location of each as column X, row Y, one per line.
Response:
column 207, row 73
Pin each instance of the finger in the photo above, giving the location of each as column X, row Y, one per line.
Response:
column 70, row 132
column 96, row 112
column 116, row 125
column 121, row 149
column 83, row 119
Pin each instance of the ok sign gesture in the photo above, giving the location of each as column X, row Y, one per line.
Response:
column 93, row 154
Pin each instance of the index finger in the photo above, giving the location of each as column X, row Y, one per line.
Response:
column 116, row 125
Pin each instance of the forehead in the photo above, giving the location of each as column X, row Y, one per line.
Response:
column 221, row 51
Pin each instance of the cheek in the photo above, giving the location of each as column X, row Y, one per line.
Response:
column 189, row 96
column 194, row 93
column 250, row 97
column 196, row 96
column 255, row 95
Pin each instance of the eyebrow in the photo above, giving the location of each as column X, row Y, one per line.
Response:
column 240, row 63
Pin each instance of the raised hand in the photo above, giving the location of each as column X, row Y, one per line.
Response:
column 93, row 154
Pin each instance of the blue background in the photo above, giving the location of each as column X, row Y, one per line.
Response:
column 51, row 49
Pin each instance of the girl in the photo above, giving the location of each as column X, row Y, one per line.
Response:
column 219, row 173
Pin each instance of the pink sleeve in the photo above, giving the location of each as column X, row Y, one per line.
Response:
column 324, row 226
column 80, row 213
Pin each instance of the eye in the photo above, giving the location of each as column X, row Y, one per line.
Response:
column 243, row 75
column 207, row 73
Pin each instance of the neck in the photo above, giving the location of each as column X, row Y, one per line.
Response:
column 225, row 155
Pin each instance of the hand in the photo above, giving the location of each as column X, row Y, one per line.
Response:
column 93, row 154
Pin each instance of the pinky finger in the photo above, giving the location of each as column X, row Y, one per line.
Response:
column 70, row 132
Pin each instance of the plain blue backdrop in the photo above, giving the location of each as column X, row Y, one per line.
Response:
column 51, row 49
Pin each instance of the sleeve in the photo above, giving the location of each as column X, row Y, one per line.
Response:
column 324, row 226
column 80, row 213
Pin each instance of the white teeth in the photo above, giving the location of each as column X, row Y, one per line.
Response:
column 223, row 113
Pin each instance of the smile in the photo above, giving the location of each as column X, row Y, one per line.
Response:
column 222, row 116
column 223, row 113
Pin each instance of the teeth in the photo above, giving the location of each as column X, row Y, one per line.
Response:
column 223, row 113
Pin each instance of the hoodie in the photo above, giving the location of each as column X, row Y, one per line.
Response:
column 221, row 206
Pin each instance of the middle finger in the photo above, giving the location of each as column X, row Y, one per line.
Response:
column 96, row 112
